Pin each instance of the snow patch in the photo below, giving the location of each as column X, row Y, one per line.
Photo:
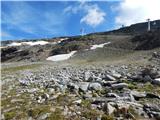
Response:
column 99, row 46
column 15, row 44
column 62, row 39
column 28, row 43
column 61, row 57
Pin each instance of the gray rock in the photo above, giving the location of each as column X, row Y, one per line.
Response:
column 95, row 86
column 78, row 101
column 51, row 91
column 72, row 86
column 108, row 108
column 44, row 116
column 108, row 83
column 16, row 100
column 112, row 95
column 156, row 81
column 119, row 85
column 45, row 96
column 138, row 95
column 87, row 76
column 109, row 77
column 152, row 110
column 147, row 78
column 88, row 94
column 2, row 117
column 152, row 95
column 32, row 90
column 83, row 86
column 116, row 75
column 66, row 110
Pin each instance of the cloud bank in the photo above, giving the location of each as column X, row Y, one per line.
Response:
column 134, row 11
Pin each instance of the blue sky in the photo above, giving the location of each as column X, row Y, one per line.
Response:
column 33, row 19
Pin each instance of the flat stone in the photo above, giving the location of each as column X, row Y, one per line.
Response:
column 116, row 75
column 119, row 85
column 16, row 100
column 78, row 101
column 109, row 77
column 138, row 95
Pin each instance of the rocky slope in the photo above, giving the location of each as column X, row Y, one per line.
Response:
column 112, row 76
column 45, row 91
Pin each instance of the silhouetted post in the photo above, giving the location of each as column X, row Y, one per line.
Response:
column 122, row 26
column 82, row 31
column 149, row 25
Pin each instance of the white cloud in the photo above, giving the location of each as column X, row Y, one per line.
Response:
column 80, row 5
column 67, row 9
column 94, row 16
column 134, row 11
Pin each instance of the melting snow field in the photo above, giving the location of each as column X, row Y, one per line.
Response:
column 61, row 57
column 28, row 43
column 99, row 46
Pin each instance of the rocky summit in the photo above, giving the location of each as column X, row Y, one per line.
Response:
column 111, row 75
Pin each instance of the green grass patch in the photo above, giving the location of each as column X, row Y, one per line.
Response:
column 107, row 117
column 86, row 103
column 91, row 114
column 57, row 115
column 35, row 112
column 9, row 115
column 18, row 68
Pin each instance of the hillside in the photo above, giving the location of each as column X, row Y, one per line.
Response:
column 120, row 40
